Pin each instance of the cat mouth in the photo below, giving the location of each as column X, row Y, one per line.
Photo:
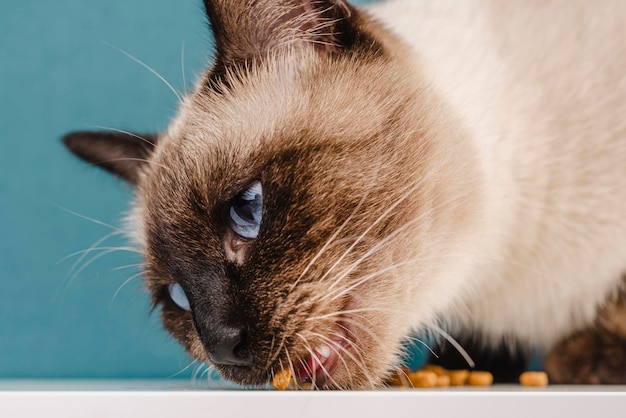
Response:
column 317, row 368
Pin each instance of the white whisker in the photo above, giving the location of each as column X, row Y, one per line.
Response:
column 277, row 353
column 88, row 263
column 311, row 352
column 341, row 292
column 391, row 236
column 128, row 266
column 328, row 242
column 383, row 216
column 194, row 361
column 422, row 342
column 146, row 66
column 291, row 367
column 351, row 311
column 120, row 287
column 359, row 363
column 91, row 249
column 121, row 131
column 455, row 344
column 182, row 67
column 80, row 215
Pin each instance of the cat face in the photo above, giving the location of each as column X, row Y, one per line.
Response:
column 281, row 207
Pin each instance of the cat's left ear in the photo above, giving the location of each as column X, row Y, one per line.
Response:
column 123, row 154
column 247, row 30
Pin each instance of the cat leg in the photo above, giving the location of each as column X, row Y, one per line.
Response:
column 596, row 355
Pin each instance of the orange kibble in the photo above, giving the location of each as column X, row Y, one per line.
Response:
column 438, row 370
column 443, row 381
column 458, row 377
column 534, row 379
column 282, row 379
column 423, row 379
column 477, row 378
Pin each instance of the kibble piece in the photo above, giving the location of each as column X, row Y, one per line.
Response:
column 423, row 379
column 438, row 370
column 535, row 379
column 282, row 379
column 476, row 378
column 443, row 381
column 458, row 377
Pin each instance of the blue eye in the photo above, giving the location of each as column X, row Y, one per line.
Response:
column 245, row 212
column 178, row 296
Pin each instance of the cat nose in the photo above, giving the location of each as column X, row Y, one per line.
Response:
column 230, row 348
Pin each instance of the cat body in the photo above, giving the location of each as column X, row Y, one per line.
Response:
column 340, row 179
column 541, row 90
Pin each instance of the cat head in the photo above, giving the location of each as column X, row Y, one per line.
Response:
column 286, row 216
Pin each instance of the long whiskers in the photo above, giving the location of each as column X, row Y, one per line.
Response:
column 147, row 67
column 382, row 217
column 292, row 369
column 183, row 370
column 182, row 67
column 80, row 264
column 328, row 242
column 334, row 236
column 273, row 357
column 120, row 287
column 337, row 293
column 388, row 239
column 309, row 349
column 335, row 348
column 121, row 131
column 424, row 343
column 455, row 344
column 85, row 217
column 353, row 311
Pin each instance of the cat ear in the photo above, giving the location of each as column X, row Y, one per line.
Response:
column 245, row 29
column 123, row 154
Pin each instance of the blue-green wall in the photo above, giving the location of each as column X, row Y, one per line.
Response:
column 59, row 72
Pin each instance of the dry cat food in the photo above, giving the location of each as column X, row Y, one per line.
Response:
column 423, row 379
column 438, row 370
column 443, row 381
column 477, row 378
column 458, row 377
column 282, row 379
column 431, row 376
column 535, row 379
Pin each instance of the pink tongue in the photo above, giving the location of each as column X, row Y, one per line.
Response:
column 306, row 369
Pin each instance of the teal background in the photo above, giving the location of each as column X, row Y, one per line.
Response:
column 60, row 70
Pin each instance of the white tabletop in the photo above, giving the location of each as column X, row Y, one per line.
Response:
column 185, row 399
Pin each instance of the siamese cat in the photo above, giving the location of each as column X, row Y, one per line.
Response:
column 343, row 177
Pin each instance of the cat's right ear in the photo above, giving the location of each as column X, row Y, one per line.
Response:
column 123, row 154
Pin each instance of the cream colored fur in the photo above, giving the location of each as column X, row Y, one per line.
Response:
column 541, row 87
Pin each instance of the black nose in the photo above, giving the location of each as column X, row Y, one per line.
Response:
column 230, row 348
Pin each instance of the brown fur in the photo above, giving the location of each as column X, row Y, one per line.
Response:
column 595, row 355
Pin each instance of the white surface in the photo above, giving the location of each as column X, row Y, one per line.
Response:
column 180, row 398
